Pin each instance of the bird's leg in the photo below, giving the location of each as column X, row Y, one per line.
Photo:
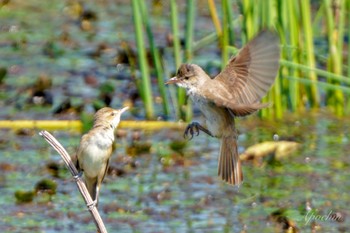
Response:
column 195, row 127
column 94, row 203
column 97, row 194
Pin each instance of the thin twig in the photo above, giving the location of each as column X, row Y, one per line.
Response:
column 81, row 185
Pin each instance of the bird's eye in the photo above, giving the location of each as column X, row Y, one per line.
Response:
column 186, row 77
column 113, row 114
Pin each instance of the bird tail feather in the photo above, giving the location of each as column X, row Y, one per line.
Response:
column 230, row 169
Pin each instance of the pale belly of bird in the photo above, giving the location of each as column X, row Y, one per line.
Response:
column 96, row 155
column 218, row 120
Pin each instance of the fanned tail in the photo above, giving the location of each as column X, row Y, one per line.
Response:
column 230, row 169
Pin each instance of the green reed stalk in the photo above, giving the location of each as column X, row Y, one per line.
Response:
column 181, row 94
column 268, row 14
column 305, row 11
column 292, row 29
column 145, row 90
column 248, row 26
column 324, row 85
column 227, row 6
column 281, row 21
column 224, row 35
column 277, row 97
column 348, row 10
column 156, row 58
column 340, row 21
column 320, row 72
column 190, row 16
column 176, row 34
column 262, row 13
column 335, row 99
column 215, row 17
column 348, row 70
column 348, row 65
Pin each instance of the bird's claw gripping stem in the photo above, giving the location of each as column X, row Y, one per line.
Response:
column 79, row 175
column 92, row 204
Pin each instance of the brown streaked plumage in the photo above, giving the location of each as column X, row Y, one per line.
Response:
column 234, row 92
column 95, row 149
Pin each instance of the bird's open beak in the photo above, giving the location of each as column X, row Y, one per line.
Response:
column 173, row 80
column 123, row 109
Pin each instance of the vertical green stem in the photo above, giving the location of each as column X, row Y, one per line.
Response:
column 279, row 97
column 225, row 35
column 281, row 25
column 156, row 58
column 267, row 15
column 248, row 19
column 176, row 34
column 215, row 17
column 335, row 99
column 348, row 70
column 309, row 50
column 292, row 28
column 340, row 21
column 145, row 77
column 181, row 94
column 229, row 15
column 190, row 16
column 348, row 10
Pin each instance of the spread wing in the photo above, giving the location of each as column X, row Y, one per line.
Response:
column 226, row 99
column 249, row 75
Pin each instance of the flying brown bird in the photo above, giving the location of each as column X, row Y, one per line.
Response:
column 234, row 92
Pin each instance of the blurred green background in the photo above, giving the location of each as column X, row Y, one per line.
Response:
column 62, row 60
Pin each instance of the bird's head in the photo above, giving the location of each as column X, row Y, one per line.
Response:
column 189, row 76
column 109, row 116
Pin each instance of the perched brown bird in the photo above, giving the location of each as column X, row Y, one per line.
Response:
column 95, row 149
column 234, row 92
